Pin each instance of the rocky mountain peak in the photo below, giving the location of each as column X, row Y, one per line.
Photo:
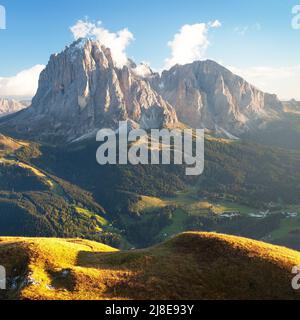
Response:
column 207, row 95
column 82, row 90
column 143, row 70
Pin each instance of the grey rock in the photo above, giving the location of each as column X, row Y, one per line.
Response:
column 9, row 106
column 81, row 90
column 207, row 95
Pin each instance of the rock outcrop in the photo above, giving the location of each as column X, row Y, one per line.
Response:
column 207, row 95
column 81, row 90
column 9, row 106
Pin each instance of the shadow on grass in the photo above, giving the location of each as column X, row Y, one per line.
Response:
column 109, row 260
column 62, row 279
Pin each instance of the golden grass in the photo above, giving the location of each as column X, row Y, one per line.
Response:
column 146, row 204
column 34, row 170
column 149, row 204
column 85, row 212
column 45, row 261
column 188, row 200
column 219, row 140
column 189, row 266
column 7, row 143
column 25, row 166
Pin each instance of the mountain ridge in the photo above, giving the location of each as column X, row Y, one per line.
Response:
column 207, row 95
column 82, row 90
column 11, row 106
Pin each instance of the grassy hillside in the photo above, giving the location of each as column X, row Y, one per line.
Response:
column 34, row 202
column 63, row 192
column 247, row 171
column 239, row 177
column 189, row 266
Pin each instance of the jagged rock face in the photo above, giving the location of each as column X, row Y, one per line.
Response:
column 81, row 90
column 207, row 95
column 9, row 106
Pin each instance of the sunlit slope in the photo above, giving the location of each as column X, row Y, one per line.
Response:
column 36, row 202
column 190, row 266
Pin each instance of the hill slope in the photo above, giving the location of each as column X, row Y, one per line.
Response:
column 35, row 202
column 63, row 192
column 189, row 266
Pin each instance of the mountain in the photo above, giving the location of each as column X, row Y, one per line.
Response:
column 9, row 106
column 292, row 106
column 207, row 95
column 282, row 133
column 48, row 189
column 81, row 90
column 193, row 266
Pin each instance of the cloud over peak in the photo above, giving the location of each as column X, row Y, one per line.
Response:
column 116, row 41
column 23, row 84
column 190, row 43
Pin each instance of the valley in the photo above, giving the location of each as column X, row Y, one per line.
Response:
column 281, row 222
column 73, row 227
column 69, row 194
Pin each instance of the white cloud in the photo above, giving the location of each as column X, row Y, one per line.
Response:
column 283, row 81
column 190, row 43
column 82, row 29
column 117, row 41
column 215, row 24
column 143, row 69
column 242, row 30
column 23, row 84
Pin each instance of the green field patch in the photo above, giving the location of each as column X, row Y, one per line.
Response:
column 226, row 206
column 189, row 201
column 148, row 204
column 177, row 225
column 91, row 215
column 286, row 227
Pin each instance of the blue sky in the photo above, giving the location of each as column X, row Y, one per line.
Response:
column 256, row 38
